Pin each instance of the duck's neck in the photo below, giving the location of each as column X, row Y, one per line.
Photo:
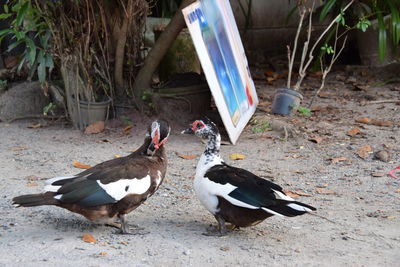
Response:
column 210, row 157
column 211, row 152
column 213, row 145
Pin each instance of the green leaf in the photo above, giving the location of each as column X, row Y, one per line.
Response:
column 304, row 111
column 382, row 37
column 31, row 51
column 21, row 13
column 5, row 15
column 325, row 10
column 13, row 45
column 4, row 33
column 48, row 108
column 41, row 72
column 395, row 18
column 363, row 24
column 42, row 67
column 20, row 35
column 5, row 7
column 21, row 63
column 49, row 62
column 340, row 19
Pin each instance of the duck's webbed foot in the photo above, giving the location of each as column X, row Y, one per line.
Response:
column 125, row 230
column 221, row 230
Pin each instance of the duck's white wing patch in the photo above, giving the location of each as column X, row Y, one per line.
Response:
column 298, row 207
column 49, row 187
column 223, row 190
column 119, row 189
column 272, row 212
column 280, row 195
column 159, row 178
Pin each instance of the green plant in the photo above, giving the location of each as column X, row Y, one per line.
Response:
column 261, row 127
column 49, row 108
column 308, row 49
column 126, row 121
column 29, row 29
column 363, row 11
column 304, row 111
column 3, row 85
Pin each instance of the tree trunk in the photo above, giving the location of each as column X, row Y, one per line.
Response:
column 156, row 54
column 120, row 38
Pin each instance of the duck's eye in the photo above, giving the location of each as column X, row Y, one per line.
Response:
column 199, row 125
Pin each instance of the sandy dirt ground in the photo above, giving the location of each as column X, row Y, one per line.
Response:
column 360, row 202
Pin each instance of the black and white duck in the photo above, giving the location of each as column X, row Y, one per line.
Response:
column 235, row 195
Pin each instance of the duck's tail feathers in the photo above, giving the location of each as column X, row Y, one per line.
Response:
column 289, row 208
column 35, row 200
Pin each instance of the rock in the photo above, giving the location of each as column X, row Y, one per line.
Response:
column 383, row 155
column 24, row 99
column 283, row 127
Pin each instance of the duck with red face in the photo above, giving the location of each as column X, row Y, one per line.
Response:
column 235, row 195
column 107, row 192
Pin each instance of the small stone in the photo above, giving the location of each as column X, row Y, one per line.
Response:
column 383, row 155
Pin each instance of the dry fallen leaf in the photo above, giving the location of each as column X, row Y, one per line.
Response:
column 381, row 123
column 88, row 238
column 398, row 191
column 237, row 156
column 353, row 132
column 95, row 127
column 31, row 184
column 364, row 151
column 117, row 156
column 377, row 174
column 324, row 191
column 187, row 156
column 375, row 122
column 269, row 72
column 316, row 139
column 17, row 148
column 363, row 120
column 291, row 193
column 324, row 94
column 35, row 126
column 336, row 160
column 361, row 87
column 79, row 165
column 103, row 253
column 224, row 248
column 127, row 130
column 301, row 193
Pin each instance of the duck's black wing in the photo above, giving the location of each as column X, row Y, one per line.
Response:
column 245, row 189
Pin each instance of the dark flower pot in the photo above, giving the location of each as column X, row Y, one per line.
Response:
column 89, row 112
column 285, row 101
